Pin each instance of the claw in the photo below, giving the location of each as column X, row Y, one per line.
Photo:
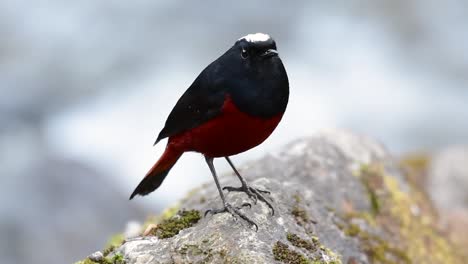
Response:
column 245, row 189
column 263, row 191
column 263, row 199
column 253, row 193
column 234, row 212
column 246, row 204
column 207, row 212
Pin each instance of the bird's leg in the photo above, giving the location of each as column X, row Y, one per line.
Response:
column 234, row 211
column 253, row 193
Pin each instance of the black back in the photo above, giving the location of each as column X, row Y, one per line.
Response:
column 258, row 85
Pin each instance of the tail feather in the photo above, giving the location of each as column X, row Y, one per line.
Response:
column 158, row 172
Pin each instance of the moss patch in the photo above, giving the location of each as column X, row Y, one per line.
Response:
column 283, row 253
column 114, row 242
column 116, row 259
column 372, row 185
column 401, row 227
column 315, row 252
column 172, row 226
column 204, row 253
column 377, row 249
column 301, row 216
column 352, row 230
column 302, row 243
column 194, row 250
column 85, row 261
column 417, row 161
column 172, row 210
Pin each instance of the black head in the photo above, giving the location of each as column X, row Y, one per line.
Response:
column 254, row 53
column 250, row 56
column 251, row 71
column 256, row 47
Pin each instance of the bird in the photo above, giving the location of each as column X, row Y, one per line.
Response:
column 233, row 105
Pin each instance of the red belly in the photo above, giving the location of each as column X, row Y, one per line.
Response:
column 230, row 133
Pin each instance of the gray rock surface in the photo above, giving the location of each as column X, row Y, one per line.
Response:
column 338, row 198
column 317, row 171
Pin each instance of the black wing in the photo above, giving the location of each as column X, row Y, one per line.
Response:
column 201, row 102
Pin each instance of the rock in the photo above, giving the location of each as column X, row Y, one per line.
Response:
column 338, row 198
column 447, row 185
column 447, row 181
column 96, row 256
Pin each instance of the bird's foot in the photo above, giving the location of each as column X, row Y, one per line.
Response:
column 253, row 193
column 234, row 211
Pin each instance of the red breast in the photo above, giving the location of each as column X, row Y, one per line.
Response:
column 229, row 133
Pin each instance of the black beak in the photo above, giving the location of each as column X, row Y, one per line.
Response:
column 269, row 53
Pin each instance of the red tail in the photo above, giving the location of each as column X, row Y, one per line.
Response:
column 158, row 172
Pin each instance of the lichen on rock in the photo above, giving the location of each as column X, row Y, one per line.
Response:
column 284, row 254
column 115, row 259
column 338, row 198
column 399, row 231
column 172, row 226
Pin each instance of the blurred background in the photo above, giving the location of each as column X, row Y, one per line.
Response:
column 86, row 86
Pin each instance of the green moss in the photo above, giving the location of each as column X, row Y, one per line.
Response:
column 373, row 184
column 352, row 230
column 108, row 250
column 368, row 218
column 391, row 232
column 203, row 253
column 316, row 251
column 300, row 215
column 172, row 226
column 302, row 243
column 380, row 251
column 170, row 212
column 377, row 249
column 85, row 261
column 297, row 198
column 114, row 242
column 333, row 257
column 417, row 161
column 202, row 200
column 116, row 259
column 166, row 214
column 283, row 253
column 418, row 233
column 193, row 250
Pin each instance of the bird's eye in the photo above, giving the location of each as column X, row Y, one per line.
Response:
column 244, row 54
